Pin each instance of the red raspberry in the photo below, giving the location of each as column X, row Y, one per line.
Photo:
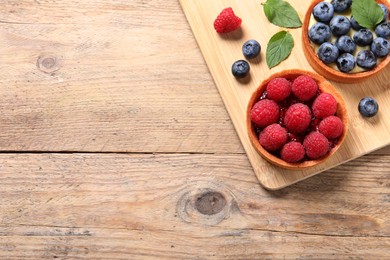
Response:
column 297, row 118
column 331, row 127
column 324, row 105
column 304, row 88
column 316, row 145
column 278, row 89
column 292, row 152
column 273, row 137
column 265, row 112
column 227, row 21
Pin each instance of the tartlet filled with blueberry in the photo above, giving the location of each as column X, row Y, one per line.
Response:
column 296, row 119
column 341, row 49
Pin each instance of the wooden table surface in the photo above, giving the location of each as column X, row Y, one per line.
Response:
column 115, row 144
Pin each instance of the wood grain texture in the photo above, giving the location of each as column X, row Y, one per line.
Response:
column 108, row 206
column 220, row 52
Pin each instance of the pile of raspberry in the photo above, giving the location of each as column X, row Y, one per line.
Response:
column 295, row 120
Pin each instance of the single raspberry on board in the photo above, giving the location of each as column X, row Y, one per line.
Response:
column 278, row 89
column 265, row 112
column 292, row 152
column 304, row 88
column 316, row 145
column 297, row 118
column 331, row 127
column 324, row 105
column 273, row 137
column 227, row 21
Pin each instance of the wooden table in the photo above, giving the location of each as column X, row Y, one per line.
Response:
column 115, row 144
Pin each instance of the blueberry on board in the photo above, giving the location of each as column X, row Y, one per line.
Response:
column 383, row 30
column 328, row 52
column 355, row 25
column 341, row 5
column 368, row 107
column 380, row 47
column 323, row 12
column 319, row 33
column 346, row 62
column 251, row 49
column 363, row 37
column 345, row 44
column 340, row 25
column 366, row 59
column 385, row 12
column 240, row 69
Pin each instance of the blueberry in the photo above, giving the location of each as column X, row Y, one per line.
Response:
column 366, row 59
column 319, row 33
column 346, row 62
column 368, row 107
column 341, row 5
column 355, row 25
column 345, row 44
column 385, row 12
column 340, row 25
column 240, row 69
column 323, row 12
column 380, row 47
column 383, row 30
column 251, row 49
column 328, row 52
column 363, row 37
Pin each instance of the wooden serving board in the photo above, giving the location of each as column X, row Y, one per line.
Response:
column 220, row 51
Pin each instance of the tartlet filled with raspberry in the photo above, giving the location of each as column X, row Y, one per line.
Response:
column 296, row 119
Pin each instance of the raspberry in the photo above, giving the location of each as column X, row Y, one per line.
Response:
column 324, row 105
column 304, row 88
column 292, row 152
column 273, row 137
column 316, row 145
column 331, row 127
column 227, row 21
column 297, row 118
column 278, row 89
column 265, row 112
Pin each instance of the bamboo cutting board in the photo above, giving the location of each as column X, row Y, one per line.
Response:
column 220, row 51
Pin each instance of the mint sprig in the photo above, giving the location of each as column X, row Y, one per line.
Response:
column 367, row 13
column 279, row 48
column 281, row 13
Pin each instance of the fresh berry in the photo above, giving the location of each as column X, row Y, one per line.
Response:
column 331, row 127
column 385, row 12
column 240, row 69
column 316, row 145
column 278, row 89
column 368, row 107
column 341, row 5
column 345, row 44
column 328, row 52
column 292, row 152
column 324, row 105
column 323, row 12
column 319, row 33
column 297, row 118
column 227, row 21
column 273, row 137
column 265, row 112
column 363, row 37
column 304, row 88
column 251, row 49
column 346, row 62
column 366, row 59
column 380, row 47
column 355, row 25
column 383, row 30
column 340, row 25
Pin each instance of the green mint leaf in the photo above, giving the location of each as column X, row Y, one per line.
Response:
column 367, row 13
column 279, row 48
column 281, row 13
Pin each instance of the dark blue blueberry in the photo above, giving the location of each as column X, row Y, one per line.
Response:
column 323, row 12
column 328, row 52
column 346, row 62
column 366, row 59
column 355, row 25
column 319, row 33
column 340, row 25
column 363, row 37
column 341, row 5
column 251, row 49
column 380, row 47
column 383, row 30
column 385, row 12
column 240, row 69
column 368, row 107
column 345, row 44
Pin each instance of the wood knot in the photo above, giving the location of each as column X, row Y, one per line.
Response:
column 48, row 63
column 210, row 203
